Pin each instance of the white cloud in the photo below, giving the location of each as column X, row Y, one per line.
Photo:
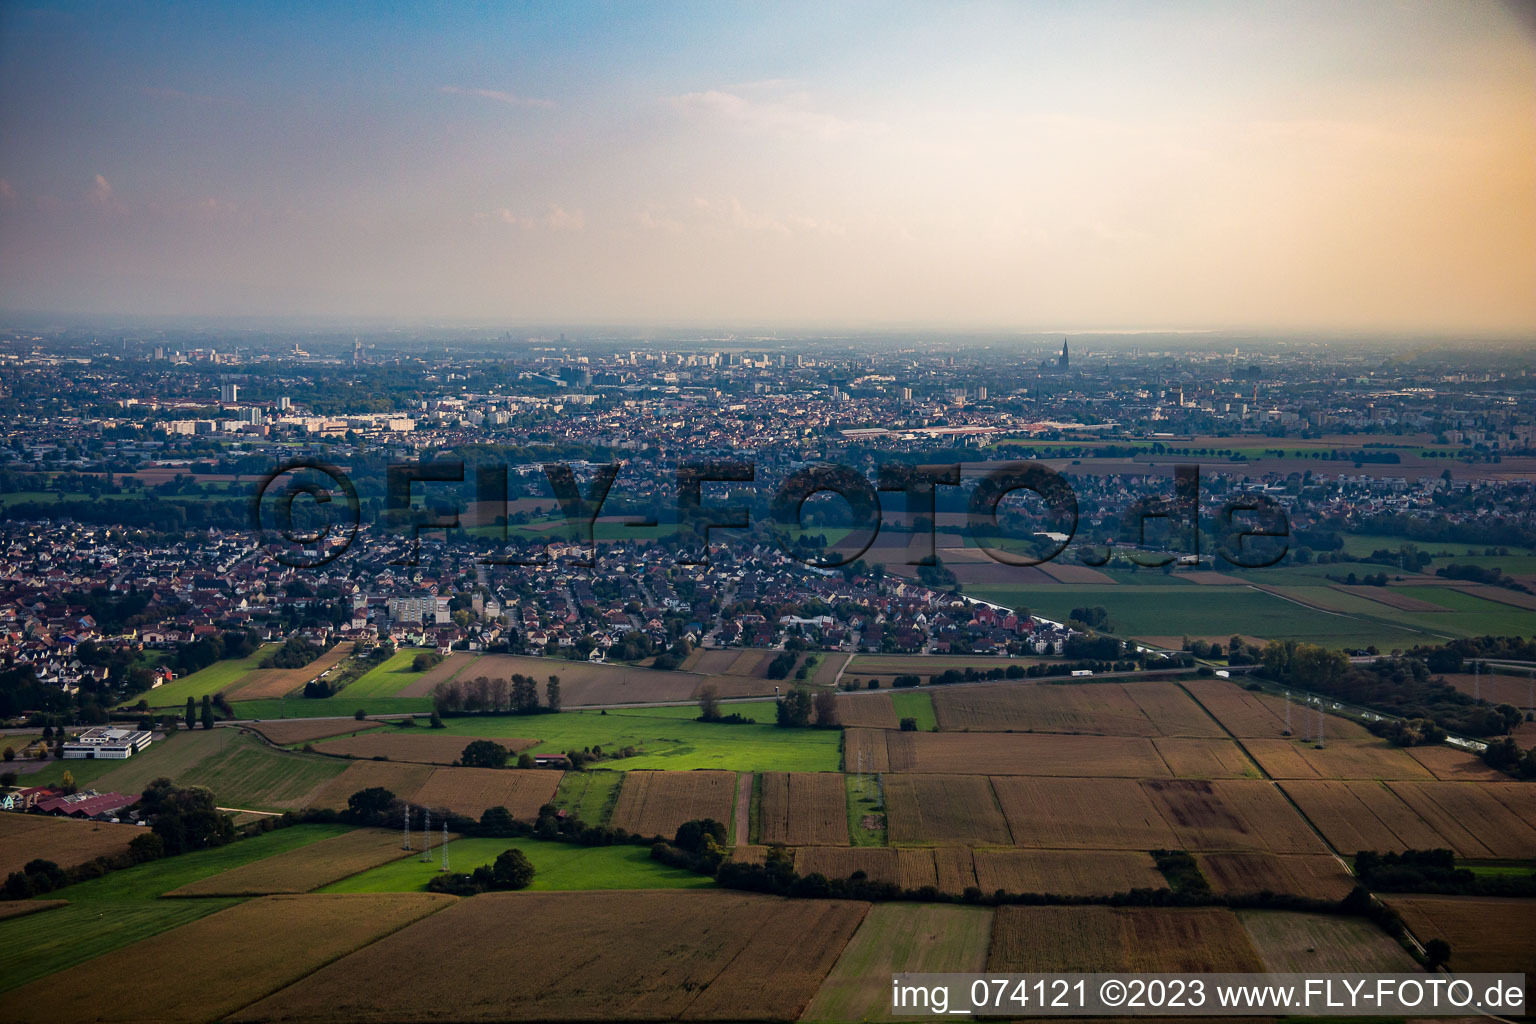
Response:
column 770, row 116
column 510, row 99
column 101, row 192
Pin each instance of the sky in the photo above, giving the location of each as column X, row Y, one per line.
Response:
column 1362, row 166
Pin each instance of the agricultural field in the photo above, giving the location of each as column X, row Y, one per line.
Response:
column 583, row 683
column 943, row 809
column 1496, row 688
column 1316, row 875
column 908, row 868
column 1100, row 709
column 269, row 683
column 1045, row 754
column 1338, row 759
column 726, row 957
column 669, row 738
column 33, row 948
column 280, row 939
column 421, row 684
column 1475, row 820
column 656, row 803
column 1049, row 814
column 867, row 710
column 242, row 771
column 589, row 795
column 399, row 778
column 1138, row 939
column 897, row 937
column 387, row 679
column 1230, row 814
column 1451, row 764
column 221, row 676
column 1204, row 759
column 803, row 809
column 416, row 745
column 1248, row 714
column 1313, row 943
column 1066, row 872
column 558, row 867
column 21, row 908
column 471, row 790
column 300, row 730
column 300, row 870
column 66, row 842
column 917, row 706
column 1485, row 934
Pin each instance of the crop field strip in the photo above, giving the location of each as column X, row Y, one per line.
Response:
column 1485, row 934
column 803, row 809
column 299, row 730
column 21, row 908
column 869, row 710
column 1306, row 943
column 656, row 803
column 723, row 957
column 266, row 683
column 403, row 780
column 471, row 790
column 449, row 668
column 895, row 938
column 1449, row 764
column 241, row 769
column 1474, row 820
column 1250, row 715
column 1066, row 872
column 1338, row 759
column 584, row 683
column 1102, row 709
column 1319, row 876
column 1135, row 939
column 430, row 748
column 1043, row 755
column 280, row 939
column 65, row 841
column 304, row 869
column 944, row 809
column 910, row 868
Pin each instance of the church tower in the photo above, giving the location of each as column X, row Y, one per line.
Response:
column 1062, row 362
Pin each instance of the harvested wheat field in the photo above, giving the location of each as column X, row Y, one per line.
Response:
column 867, row 710
column 586, row 683
column 448, row 668
column 280, row 939
column 866, row 747
column 1038, row 754
column 1231, row 814
column 271, row 683
column 894, row 938
column 1472, row 819
column 1338, row 759
column 1318, row 876
column 471, row 790
column 1318, row 943
column 954, row 868
column 804, row 809
column 65, row 841
column 300, row 730
column 621, row 956
column 1066, row 872
column 428, row 748
column 403, row 780
column 1485, row 934
column 656, row 803
column 1205, row 759
column 306, row 868
column 1450, row 764
column 749, row 854
column 1098, row 709
column 1051, row 814
column 1139, row 939
column 943, row 809
column 1496, row 689
column 1248, row 714
column 909, row 869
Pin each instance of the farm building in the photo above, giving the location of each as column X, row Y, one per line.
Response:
column 106, row 742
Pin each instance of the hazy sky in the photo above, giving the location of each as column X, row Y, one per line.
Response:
column 1346, row 165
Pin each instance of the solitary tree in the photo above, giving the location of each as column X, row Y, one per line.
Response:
column 512, row 870
column 709, row 702
column 10, row 753
column 552, row 693
column 207, row 712
column 826, row 709
column 1437, row 952
column 484, row 754
column 191, row 713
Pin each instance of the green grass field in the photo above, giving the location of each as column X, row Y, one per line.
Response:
column 669, row 738
column 589, row 795
column 387, row 679
column 915, row 705
column 208, row 681
column 557, row 867
column 155, row 878
column 864, row 799
column 241, row 771
column 38, row 945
